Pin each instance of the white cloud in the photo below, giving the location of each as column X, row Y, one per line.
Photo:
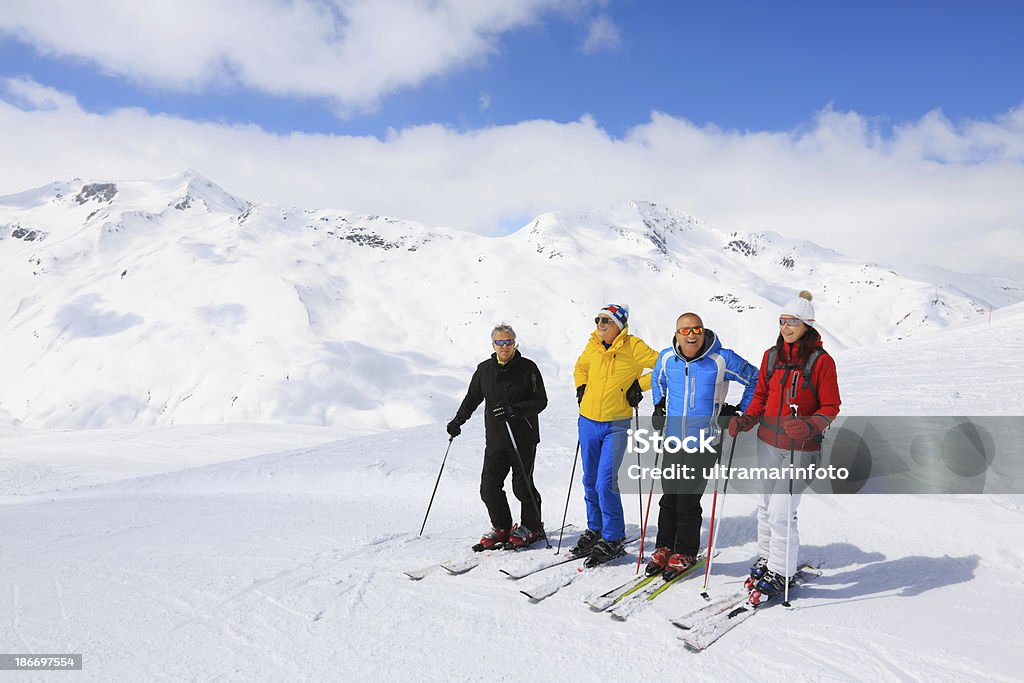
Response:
column 353, row 52
column 30, row 95
column 602, row 34
column 484, row 101
column 933, row 192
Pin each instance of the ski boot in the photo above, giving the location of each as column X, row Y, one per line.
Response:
column 658, row 561
column 585, row 543
column 605, row 551
column 677, row 564
column 522, row 537
column 757, row 570
column 767, row 587
column 495, row 538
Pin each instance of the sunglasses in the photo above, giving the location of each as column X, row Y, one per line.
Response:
column 687, row 330
column 504, row 342
column 602, row 321
column 791, row 322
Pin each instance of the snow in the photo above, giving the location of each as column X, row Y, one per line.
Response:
column 167, row 550
column 966, row 370
column 171, row 301
column 288, row 565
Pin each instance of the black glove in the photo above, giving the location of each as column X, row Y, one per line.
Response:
column 658, row 417
column 579, row 393
column 454, row 428
column 634, row 394
column 503, row 411
column 728, row 410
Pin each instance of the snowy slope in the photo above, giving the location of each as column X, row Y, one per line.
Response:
column 972, row 368
column 170, row 301
column 287, row 565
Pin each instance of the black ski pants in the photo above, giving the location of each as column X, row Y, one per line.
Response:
column 679, row 520
column 497, row 464
column 680, row 513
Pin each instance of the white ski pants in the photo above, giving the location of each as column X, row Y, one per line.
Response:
column 773, row 532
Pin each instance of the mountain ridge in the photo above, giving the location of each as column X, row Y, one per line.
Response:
column 172, row 300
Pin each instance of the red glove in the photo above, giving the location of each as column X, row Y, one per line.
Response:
column 797, row 428
column 741, row 423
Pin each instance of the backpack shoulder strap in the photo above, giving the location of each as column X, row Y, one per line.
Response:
column 817, row 353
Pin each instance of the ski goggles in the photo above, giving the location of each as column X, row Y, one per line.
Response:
column 790, row 322
column 687, row 330
column 504, row 342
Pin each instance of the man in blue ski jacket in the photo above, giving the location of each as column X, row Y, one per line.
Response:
column 690, row 382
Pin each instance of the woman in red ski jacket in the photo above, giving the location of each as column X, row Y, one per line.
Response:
column 795, row 373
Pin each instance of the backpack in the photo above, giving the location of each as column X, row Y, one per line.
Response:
column 773, row 358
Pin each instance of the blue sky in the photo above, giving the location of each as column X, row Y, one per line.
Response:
column 745, row 65
column 893, row 132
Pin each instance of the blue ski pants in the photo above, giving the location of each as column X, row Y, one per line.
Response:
column 602, row 445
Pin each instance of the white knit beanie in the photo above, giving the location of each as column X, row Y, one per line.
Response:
column 800, row 308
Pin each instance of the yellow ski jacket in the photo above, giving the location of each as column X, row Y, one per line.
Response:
column 608, row 373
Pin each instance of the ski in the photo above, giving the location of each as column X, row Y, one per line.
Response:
column 635, row 587
column 555, row 584
column 601, row 602
column 418, row 574
column 706, row 632
column 641, row 599
column 693, row 619
column 468, row 561
column 516, row 574
column 452, row 566
column 462, row 566
column 556, row 560
column 552, row 586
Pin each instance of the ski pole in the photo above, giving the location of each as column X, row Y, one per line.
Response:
column 713, row 530
column 431, row 503
column 639, row 484
column 529, row 480
column 567, row 495
column 650, row 495
column 789, row 508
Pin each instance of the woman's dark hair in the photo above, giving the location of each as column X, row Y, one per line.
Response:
column 805, row 345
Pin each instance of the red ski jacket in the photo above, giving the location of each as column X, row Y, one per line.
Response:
column 775, row 393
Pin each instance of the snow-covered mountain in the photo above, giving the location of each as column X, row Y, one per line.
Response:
column 172, row 301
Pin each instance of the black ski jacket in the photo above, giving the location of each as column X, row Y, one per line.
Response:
column 517, row 383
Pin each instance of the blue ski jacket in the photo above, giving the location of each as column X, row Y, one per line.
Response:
column 695, row 389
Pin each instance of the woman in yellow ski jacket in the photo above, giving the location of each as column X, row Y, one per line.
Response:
column 610, row 380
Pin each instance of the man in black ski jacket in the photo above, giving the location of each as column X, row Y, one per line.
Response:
column 513, row 394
